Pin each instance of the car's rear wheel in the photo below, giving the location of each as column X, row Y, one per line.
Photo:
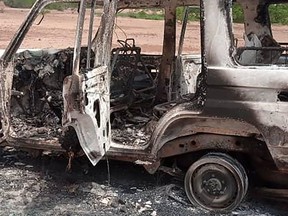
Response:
column 216, row 182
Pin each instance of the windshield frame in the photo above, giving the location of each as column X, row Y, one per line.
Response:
column 19, row 36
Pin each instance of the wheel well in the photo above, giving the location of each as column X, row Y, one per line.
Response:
column 203, row 142
column 252, row 163
column 249, row 151
column 184, row 161
column 187, row 126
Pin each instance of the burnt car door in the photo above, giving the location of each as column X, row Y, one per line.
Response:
column 86, row 92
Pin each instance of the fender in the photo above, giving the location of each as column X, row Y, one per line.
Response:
column 179, row 123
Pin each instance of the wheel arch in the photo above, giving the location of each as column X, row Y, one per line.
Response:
column 184, row 127
column 214, row 143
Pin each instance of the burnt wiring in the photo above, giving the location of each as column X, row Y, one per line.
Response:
column 117, row 26
column 42, row 18
column 108, row 165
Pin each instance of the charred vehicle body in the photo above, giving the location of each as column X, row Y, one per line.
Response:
column 220, row 116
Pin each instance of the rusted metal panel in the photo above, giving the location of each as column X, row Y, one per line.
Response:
column 183, row 123
column 272, row 193
column 49, row 145
column 90, row 34
column 167, row 62
column 132, row 155
column 103, row 41
column 78, row 38
column 199, row 142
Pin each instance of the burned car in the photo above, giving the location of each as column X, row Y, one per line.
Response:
column 219, row 116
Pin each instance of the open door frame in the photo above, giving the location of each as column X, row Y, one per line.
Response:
column 86, row 94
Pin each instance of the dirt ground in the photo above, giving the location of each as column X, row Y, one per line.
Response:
column 40, row 186
column 57, row 30
column 30, row 186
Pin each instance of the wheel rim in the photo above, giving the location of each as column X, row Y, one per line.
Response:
column 216, row 182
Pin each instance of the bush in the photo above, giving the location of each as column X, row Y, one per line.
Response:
column 194, row 14
column 278, row 12
column 143, row 14
column 19, row 3
column 238, row 15
column 29, row 3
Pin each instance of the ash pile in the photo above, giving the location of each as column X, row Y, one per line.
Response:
column 37, row 102
column 133, row 90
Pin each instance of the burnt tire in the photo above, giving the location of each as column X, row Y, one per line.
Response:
column 216, row 182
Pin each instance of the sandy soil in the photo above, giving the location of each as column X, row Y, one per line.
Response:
column 57, row 30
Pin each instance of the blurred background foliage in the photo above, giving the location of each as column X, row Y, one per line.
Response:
column 278, row 12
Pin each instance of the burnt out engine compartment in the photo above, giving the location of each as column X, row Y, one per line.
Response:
column 37, row 103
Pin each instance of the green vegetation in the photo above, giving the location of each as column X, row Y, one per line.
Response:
column 144, row 14
column 194, row 14
column 238, row 15
column 278, row 12
column 19, row 3
column 29, row 3
column 158, row 14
